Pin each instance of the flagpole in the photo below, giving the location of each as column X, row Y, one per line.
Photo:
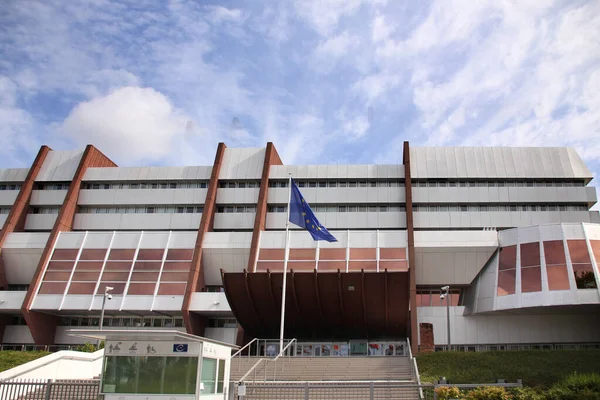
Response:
column 285, row 263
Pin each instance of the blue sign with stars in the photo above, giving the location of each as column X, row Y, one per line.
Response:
column 302, row 215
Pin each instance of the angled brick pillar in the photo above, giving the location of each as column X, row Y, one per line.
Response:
column 414, row 338
column 16, row 218
column 43, row 326
column 271, row 158
column 195, row 323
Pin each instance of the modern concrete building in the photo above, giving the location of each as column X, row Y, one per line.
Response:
column 201, row 249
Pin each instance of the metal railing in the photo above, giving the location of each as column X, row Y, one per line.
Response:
column 414, row 370
column 33, row 347
column 349, row 390
column 38, row 389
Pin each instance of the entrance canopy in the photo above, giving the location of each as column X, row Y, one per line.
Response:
column 321, row 305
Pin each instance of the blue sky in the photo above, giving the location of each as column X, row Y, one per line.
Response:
column 336, row 81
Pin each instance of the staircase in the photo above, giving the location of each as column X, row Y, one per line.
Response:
column 327, row 377
column 325, row 369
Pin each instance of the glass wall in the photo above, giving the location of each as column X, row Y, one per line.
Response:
column 213, row 376
column 150, row 375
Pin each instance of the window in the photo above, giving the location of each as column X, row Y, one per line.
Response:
column 221, row 376
column 322, row 184
column 209, row 375
column 150, row 375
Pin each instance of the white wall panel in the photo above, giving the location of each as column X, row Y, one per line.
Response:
column 20, row 264
column 13, row 174
column 234, row 221
column 226, row 335
column 12, row 300
column 3, row 218
column 392, row 171
column 155, row 173
column 246, row 163
column 101, row 197
column 8, row 197
column 346, row 220
column 209, row 302
column 17, row 334
column 239, row 196
column 47, row 197
column 137, row 221
column 40, row 222
column 509, row 329
column 508, row 162
column 59, row 166
column 339, row 195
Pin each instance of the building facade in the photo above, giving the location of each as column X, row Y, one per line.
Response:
column 201, row 249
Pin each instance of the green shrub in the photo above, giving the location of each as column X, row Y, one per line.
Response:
column 488, row 393
column 447, row 392
column 575, row 387
column 526, row 393
column 87, row 348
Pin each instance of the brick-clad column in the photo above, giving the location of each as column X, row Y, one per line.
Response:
column 271, row 158
column 427, row 339
column 414, row 338
column 195, row 323
column 43, row 326
column 16, row 218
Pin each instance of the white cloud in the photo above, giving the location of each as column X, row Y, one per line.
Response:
column 131, row 124
column 324, row 16
column 356, row 127
column 381, row 29
column 221, row 14
column 336, row 46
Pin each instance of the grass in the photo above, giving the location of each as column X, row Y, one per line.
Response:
column 537, row 368
column 11, row 359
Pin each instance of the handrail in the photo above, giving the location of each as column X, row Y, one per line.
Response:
column 240, row 350
column 284, row 349
column 250, row 370
column 410, row 356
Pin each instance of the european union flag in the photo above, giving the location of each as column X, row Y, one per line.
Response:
column 303, row 216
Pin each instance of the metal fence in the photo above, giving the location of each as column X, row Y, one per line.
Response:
column 343, row 390
column 37, row 389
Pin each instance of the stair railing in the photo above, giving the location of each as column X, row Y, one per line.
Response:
column 282, row 352
column 240, row 351
column 414, row 369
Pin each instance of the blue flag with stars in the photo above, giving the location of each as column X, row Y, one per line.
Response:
column 303, row 216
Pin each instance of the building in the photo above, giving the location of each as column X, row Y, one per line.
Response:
column 201, row 249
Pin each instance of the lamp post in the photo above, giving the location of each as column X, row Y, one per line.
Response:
column 446, row 295
column 108, row 296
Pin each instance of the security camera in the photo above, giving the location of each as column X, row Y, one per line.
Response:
column 109, row 297
column 109, row 288
column 445, row 287
column 442, row 296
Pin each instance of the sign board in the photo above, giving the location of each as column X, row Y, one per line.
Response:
column 242, row 390
column 144, row 348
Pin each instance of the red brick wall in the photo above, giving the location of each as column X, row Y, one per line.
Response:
column 427, row 344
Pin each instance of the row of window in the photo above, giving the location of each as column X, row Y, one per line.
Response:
column 10, row 186
column 160, row 322
column 222, row 323
column 51, row 186
column 497, row 183
column 330, row 184
column 147, row 185
column 238, row 184
column 143, row 210
column 500, row 207
column 4, row 210
column 236, row 209
column 17, row 288
column 431, row 298
column 345, row 208
column 45, row 210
